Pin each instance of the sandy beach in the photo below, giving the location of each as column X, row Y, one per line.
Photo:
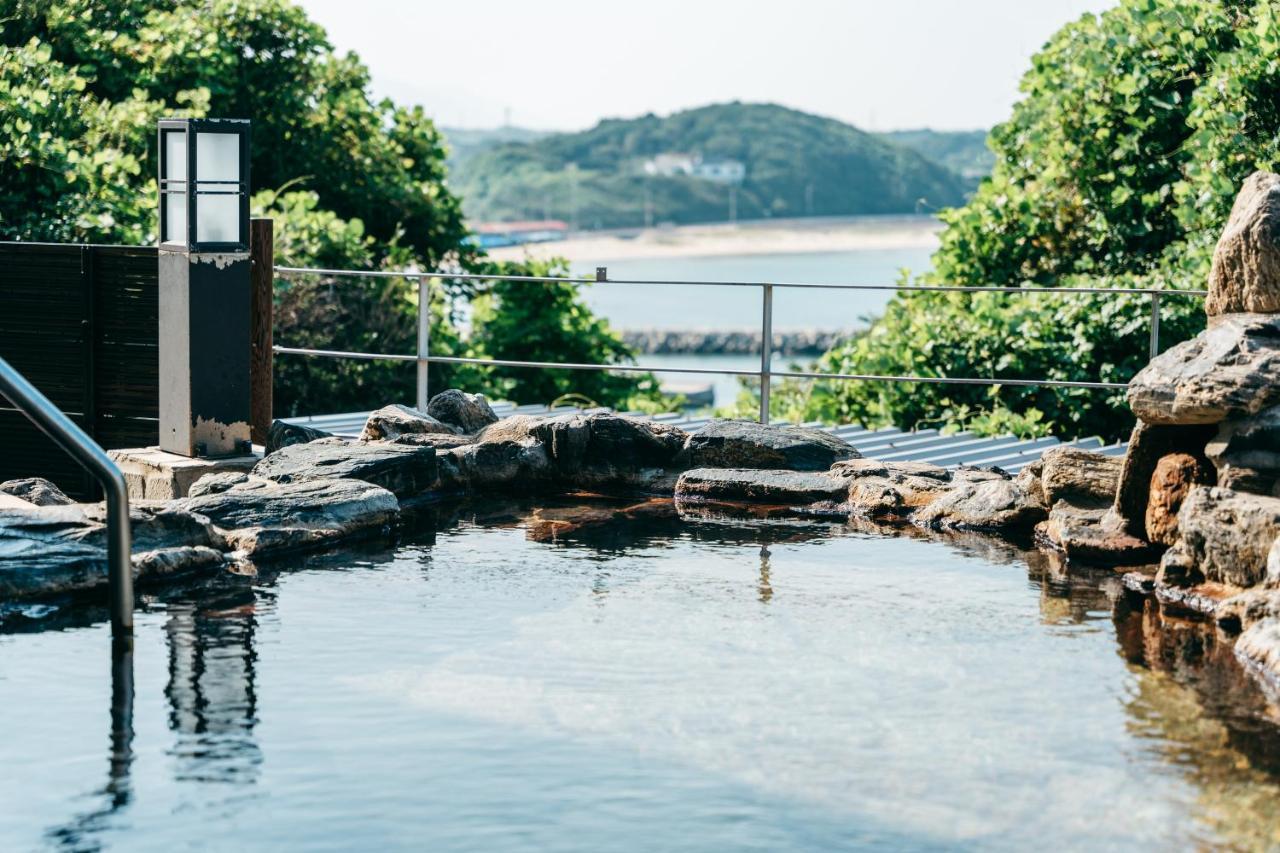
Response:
column 764, row 237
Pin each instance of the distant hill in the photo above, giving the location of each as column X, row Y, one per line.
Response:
column 793, row 164
column 464, row 142
column 964, row 152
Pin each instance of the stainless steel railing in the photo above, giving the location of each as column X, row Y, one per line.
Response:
column 765, row 374
column 50, row 419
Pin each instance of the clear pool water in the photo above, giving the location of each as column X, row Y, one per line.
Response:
column 505, row 682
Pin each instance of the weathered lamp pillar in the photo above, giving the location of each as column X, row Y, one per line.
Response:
column 205, row 299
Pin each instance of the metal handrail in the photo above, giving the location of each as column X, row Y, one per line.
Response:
column 765, row 374
column 53, row 423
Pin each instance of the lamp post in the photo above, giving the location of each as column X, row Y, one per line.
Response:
column 204, row 287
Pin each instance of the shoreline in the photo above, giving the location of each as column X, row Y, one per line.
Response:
column 758, row 237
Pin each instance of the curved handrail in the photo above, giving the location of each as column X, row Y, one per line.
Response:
column 53, row 423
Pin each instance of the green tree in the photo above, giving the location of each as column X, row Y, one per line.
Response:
column 1116, row 169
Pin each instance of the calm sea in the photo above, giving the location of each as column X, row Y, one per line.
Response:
column 690, row 307
column 650, row 306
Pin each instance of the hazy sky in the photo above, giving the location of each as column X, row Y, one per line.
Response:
column 565, row 64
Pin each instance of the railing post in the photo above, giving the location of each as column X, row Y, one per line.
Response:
column 766, row 351
column 1155, row 324
column 424, row 340
column 262, row 280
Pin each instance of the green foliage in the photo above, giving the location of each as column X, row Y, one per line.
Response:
column 1117, row 169
column 785, row 152
column 358, row 183
column 964, row 152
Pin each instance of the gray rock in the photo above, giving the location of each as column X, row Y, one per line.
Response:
column 1069, row 473
column 1245, row 275
column 1245, row 452
column 746, row 444
column 892, row 490
column 987, row 505
column 282, row 434
column 1228, row 535
column 258, row 516
column 755, row 485
column 405, row 470
column 36, row 490
column 1231, row 370
column 468, row 413
column 212, row 484
column 392, row 422
column 1147, row 446
column 59, row 550
column 1259, row 647
column 1093, row 534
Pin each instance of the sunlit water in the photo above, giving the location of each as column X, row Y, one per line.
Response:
column 648, row 683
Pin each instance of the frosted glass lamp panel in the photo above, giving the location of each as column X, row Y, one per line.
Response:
column 218, row 218
column 175, row 156
column 217, row 157
column 175, row 218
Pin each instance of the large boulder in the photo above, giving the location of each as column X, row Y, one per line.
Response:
column 1174, row 478
column 35, row 490
column 396, row 421
column 1230, row 370
column 1069, row 473
column 283, row 434
column 405, row 470
column 467, row 413
column 1245, row 276
column 988, row 504
column 1148, row 444
column 1246, row 452
column 1227, row 536
column 258, row 516
column 63, row 549
column 1092, row 534
column 747, row 444
column 809, row 489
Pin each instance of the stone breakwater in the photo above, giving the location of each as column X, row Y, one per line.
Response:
column 734, row 342
column 1190, row 516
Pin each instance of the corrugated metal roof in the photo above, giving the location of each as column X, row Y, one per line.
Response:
column 887, row 443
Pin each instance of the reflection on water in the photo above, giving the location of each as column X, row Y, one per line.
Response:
column 1190, row 712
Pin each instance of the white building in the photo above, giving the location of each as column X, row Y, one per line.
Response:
column 671, row 165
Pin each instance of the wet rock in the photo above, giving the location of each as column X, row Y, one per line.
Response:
column 1231, row 370
column 467, row 413
column 1228, row 535
column 1030, row 480
column 1069, row 473
column 1148, row 444
column 258, row 516
column 35, row 490
column 62, row 549
column 1246, row 453
column 1259, row 648
column 1245, row 275
column 891, row 490
column 999, row 504
column 747, row 444
column 1246, row 609
column 755, row 485
column 282, row 434
column 1175, row 476
column 405, row 470
column 392, row 422
column 1093, row 534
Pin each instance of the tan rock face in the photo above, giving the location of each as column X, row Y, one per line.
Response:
column 1080, row 475
column 1175, row 475
column 1246, row 263
column 1228, row 535
column 1147, row 446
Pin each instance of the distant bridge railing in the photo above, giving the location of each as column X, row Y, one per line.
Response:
column 423, row 357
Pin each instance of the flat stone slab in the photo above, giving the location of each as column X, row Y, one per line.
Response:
column 751, row 485
column 258, row 516
column 405, row 470
column 992, row 505
column 157, row 475
column 747, row 444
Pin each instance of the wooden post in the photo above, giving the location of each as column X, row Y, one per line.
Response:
column 262, row 255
